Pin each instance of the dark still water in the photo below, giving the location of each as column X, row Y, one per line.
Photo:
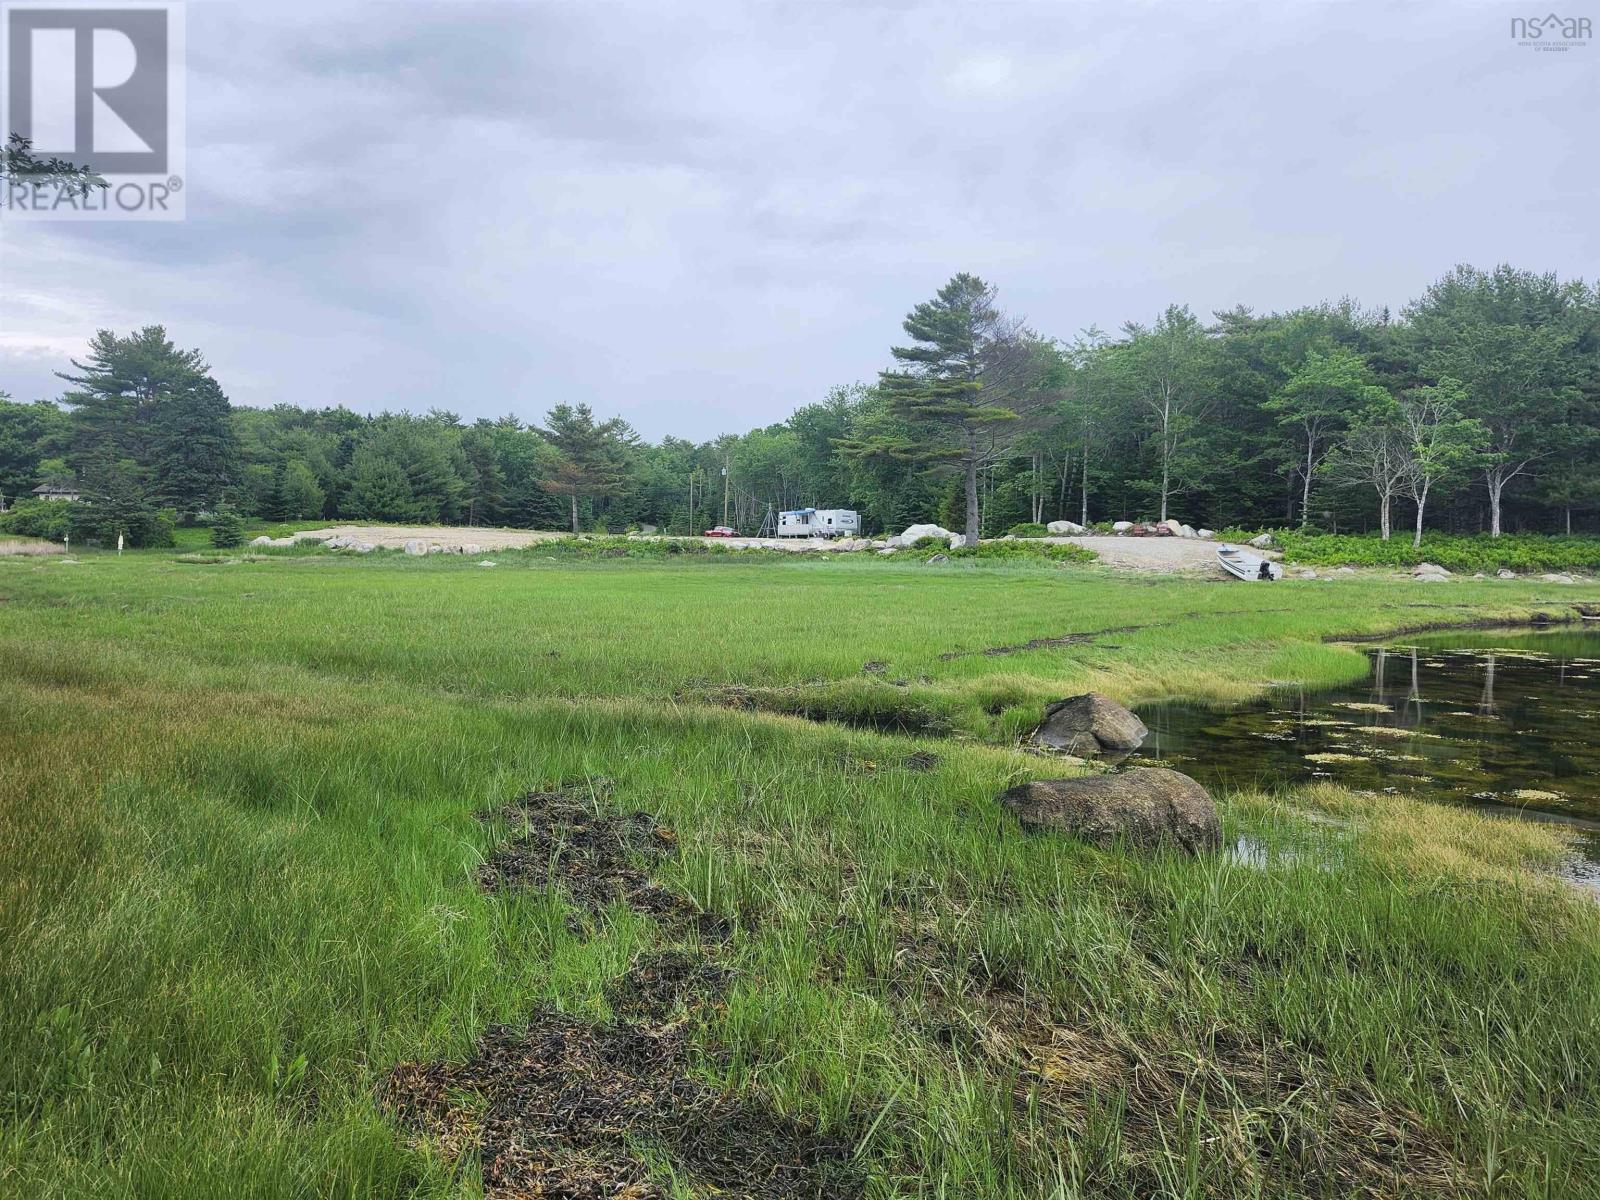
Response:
column 1508, row 721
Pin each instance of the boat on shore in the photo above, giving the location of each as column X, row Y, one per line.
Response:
column 1242, row 564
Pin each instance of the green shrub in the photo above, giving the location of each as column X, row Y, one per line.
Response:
column 1455, row 552
column 141, row 526
column 227, row 528
column 39, row 518
column 1028, row 529
column 1067, row 552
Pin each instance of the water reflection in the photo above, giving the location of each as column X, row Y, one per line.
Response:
column 1506, row 722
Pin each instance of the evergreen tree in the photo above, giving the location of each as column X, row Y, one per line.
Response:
column 594, row 455
column 379, row 489
column 299, row 493
column 227, row 527
column 119, row 502
column 964, row 379
column 140, row 400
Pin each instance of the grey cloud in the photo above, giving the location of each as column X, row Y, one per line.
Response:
column 700, row 217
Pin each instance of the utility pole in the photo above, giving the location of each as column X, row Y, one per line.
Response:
column 724, row 489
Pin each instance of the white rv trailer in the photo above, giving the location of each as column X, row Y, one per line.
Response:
column 819, row 522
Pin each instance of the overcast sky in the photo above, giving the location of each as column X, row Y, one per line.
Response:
column 702, row 218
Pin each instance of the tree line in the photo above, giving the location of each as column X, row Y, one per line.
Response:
column 1472, row 409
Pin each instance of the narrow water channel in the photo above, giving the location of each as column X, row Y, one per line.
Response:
column 1507, row 721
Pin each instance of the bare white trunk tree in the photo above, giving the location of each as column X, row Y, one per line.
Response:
column 1374, row 454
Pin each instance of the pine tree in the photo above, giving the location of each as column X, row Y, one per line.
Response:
column 594, row 455
column 145, row 405
column 379, row 489
column 227, row 527
column 299, row 493
column 961, row 384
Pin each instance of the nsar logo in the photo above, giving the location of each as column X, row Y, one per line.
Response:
column 1551, row 32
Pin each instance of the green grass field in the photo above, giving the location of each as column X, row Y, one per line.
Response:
column 240, row 885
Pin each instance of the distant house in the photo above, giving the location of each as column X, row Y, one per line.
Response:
column 57, row 491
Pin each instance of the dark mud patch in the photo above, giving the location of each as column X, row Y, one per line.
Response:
column 566, row 842
column 563, row 1108
column 657, row 985
column 893, row 713
column 920, row 761
column 1045, row 643
column 1040, row 644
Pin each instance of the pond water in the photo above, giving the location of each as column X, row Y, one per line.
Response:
column 1508, row 722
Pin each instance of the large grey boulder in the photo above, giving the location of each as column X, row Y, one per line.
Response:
column 1069, row 528
column 1261, row 541
column 1089, row 724
column 1121, row 526
column 1148, row 808
column 416, row 547
column 916, row 532
column 263, row 540
column 1503, row 573
column 1426, row 570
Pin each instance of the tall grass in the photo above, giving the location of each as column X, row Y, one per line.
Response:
column 237, row 886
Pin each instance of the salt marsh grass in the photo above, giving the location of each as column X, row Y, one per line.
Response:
column 239, row 882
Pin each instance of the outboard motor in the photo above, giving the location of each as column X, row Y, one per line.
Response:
column 1264, row 571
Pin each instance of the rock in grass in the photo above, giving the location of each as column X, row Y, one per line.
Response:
column 1502, row 573
column 1261, row 541
column 1121, row 526
column 1069, row 528
column 1147, row 808
column 416, row 547
column 1428, row 570
column 1089, row 724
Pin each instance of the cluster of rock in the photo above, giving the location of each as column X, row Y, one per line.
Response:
column 1167, row 528
column 418, row 547
column 915, row 533
column 348, row 543
column 1433, row 573
column 1090, row 725
column 1147, row 808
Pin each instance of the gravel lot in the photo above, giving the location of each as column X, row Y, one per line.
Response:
column 1161, row 555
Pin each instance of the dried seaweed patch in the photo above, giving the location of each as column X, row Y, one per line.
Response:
column 565, row 1108
column 595, row 858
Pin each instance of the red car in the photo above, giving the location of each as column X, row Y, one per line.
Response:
column 722, row 531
